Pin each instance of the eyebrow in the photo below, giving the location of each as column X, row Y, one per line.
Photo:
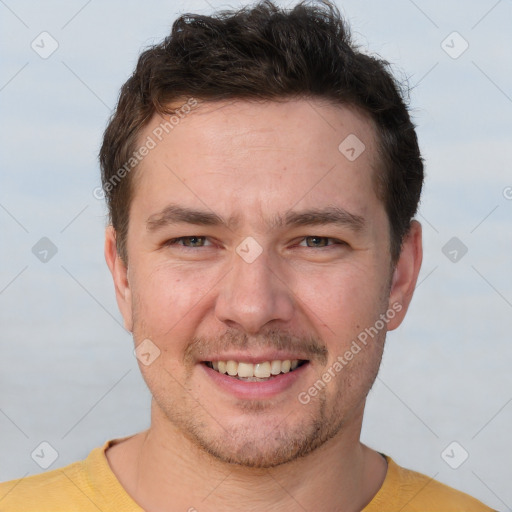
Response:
column 175, row 214
column 323, row 216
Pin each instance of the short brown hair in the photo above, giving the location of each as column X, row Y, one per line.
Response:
column 265, row 53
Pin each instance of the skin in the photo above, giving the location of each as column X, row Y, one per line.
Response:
column 312, row 290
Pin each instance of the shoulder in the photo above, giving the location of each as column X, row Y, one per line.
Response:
column 88, row 485
column 51, row 491
column 409, row 491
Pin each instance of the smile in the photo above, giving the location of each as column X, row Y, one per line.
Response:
column 255, row 371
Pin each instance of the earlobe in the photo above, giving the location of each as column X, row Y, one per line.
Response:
column 405, row 274
column 119, row 271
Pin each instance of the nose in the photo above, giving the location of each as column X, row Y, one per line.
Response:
column 254, row 294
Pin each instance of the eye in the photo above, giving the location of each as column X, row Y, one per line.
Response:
column 188, row 241
column 320, row 241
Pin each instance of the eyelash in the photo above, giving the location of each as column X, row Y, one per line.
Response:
column 176, row 241
column 335, row 240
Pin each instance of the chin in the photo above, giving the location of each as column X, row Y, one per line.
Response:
column 262, row 454
column 263, row 446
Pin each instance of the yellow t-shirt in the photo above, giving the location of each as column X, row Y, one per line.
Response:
column 91, row 486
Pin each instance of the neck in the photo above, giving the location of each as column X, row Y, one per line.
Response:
column 169, row 472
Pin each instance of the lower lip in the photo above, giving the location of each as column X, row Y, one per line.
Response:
column 247, row 390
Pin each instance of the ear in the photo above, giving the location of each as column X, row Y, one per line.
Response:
column 119, row 272
column 405, row 275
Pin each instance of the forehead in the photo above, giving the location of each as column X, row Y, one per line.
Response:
column 259, row 158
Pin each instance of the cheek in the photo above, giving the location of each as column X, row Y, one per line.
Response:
column 168, row 299
column 343, row 300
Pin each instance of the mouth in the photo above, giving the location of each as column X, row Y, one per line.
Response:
column 255, row 372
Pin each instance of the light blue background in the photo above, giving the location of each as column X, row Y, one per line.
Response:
column 67, row 371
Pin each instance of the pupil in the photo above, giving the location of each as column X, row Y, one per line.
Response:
column 317, row 240
column 194, row 240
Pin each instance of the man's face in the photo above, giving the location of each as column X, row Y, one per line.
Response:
column 254, row 239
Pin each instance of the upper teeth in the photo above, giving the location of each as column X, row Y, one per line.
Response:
column 260, row 370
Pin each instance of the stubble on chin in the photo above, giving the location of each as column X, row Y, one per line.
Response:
column 254, row 443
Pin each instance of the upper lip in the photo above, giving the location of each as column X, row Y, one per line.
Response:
column 250, row 357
